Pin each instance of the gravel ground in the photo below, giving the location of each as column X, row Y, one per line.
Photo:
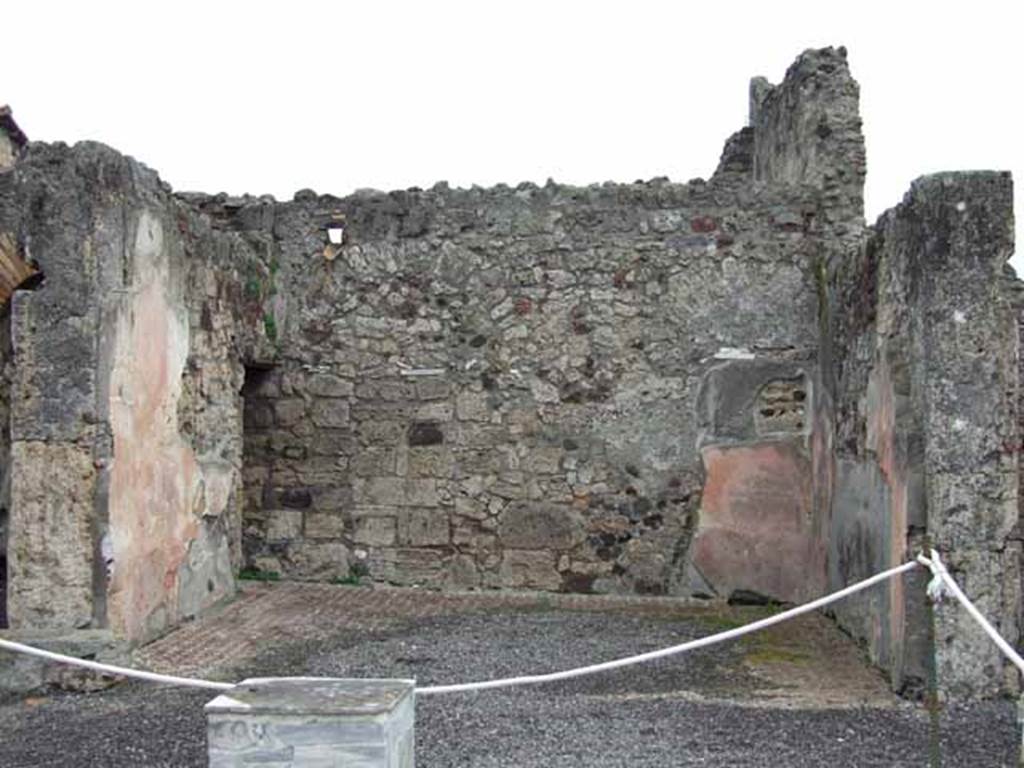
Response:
column 705, row 709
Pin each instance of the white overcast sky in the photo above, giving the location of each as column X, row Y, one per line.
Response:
column 336, row 96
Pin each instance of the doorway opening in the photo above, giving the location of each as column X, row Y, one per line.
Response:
column 260, row 393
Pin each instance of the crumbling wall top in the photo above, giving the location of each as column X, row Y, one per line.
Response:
column 807, row 130
column 11, row 128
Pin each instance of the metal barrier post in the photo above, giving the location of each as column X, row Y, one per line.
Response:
column 303, row 722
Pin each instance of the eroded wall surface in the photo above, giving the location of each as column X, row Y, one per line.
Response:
column 500, row 387
column 172, row 504
column 758, row 516
column 125, row 374
column 927, row 436
column 53, row 424
column 5, row 454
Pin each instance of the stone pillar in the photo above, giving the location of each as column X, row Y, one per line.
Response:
column 310, row 721
column 1020, row 727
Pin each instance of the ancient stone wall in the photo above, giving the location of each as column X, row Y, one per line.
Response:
column 728, row 388
column 498, row 387
column 5, row 454
column 926, row 427
column 968, row 363
column 767, row 423
column 53, row 428
column 124, row 389
column 807, row 130
column 8, row 150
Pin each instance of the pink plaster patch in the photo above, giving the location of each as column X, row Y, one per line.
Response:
column 154, row 473
column 756, row 530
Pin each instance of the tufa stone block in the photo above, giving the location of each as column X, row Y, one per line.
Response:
column 331, row 413
column 538, row 525
column 324, row 525
column 423, row 527
column 395, row 491
column 526, row 569
column 284, row 524
column 328, row 385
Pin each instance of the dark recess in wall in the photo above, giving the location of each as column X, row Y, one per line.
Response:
column 3, row 572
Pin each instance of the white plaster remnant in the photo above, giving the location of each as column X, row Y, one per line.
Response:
column 107, row 553
column 961, row 206
column 422, row 371
column 734, row 353
column 959, row 425
column 959, row 317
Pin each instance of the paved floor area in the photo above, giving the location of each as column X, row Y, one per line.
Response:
column 806, row 661
column 799, row 695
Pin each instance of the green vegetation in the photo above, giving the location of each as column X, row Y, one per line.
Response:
column 260, row 286
column 719, row 623
column 270, row 326
column 356, row 572
column 253, row 288
column 253, row 574
column 768, row 654
column 352, row 580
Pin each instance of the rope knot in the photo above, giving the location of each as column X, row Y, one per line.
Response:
column 937, row 587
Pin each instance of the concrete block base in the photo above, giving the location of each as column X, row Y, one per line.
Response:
column 303, row 722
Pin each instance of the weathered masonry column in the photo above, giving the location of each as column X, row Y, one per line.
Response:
column 1020, row 726
column 305, row 722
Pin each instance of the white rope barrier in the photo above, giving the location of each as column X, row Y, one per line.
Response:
column 110, row 669
column 682, row 648
column 943, row 584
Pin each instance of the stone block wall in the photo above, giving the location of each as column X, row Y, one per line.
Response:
column 807, row 130
column 5, row 455
column 498, row 387
column 53, row 426
column 927, row 431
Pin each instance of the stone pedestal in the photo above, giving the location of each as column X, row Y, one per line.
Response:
column 309, row 722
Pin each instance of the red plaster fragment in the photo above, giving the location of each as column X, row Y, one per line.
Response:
column 703, row 224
